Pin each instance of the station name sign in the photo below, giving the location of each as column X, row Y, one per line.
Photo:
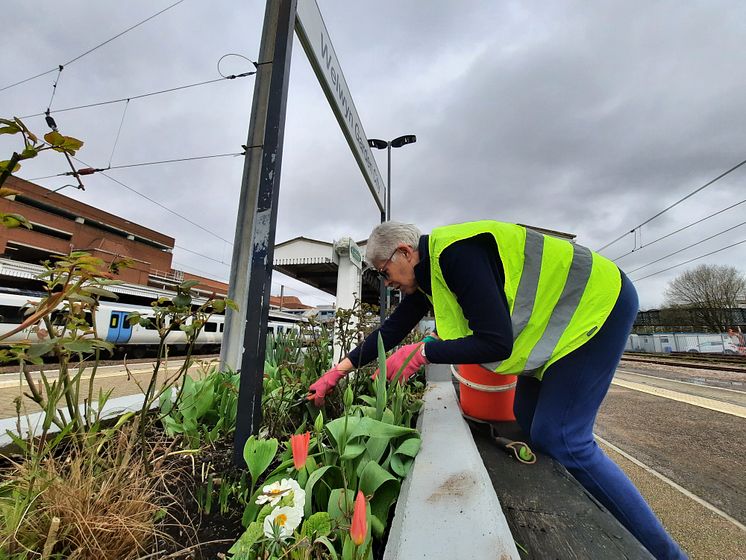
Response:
column 315, row 40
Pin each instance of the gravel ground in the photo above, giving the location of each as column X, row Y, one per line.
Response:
column 703, row 534
column 699, row 449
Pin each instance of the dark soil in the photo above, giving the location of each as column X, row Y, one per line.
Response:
column 193, row 534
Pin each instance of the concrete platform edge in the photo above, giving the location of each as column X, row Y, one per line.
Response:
column 447, row 506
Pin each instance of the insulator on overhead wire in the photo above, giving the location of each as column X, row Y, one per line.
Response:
column 50, row 122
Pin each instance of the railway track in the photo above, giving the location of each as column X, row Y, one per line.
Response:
column 720, row 362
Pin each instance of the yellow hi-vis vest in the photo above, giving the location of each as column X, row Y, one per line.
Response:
column 559, row 294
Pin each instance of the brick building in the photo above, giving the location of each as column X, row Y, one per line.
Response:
column 62, row 224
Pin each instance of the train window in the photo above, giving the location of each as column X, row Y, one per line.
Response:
column 211, row 327
column 11, row 315
column 222, row 327
column 271, row 330
column 114, row 322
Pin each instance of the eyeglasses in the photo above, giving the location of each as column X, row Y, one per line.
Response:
column 381, row 272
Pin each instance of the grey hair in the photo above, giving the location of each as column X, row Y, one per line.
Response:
column 385, row 237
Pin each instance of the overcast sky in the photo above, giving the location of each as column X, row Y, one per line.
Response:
column 584, row 117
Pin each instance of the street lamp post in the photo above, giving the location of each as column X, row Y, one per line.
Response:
column 386, row 216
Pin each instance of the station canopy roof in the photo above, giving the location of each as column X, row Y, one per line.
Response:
column 315, row 263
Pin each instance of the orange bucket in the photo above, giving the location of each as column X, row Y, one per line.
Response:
column 485, row 394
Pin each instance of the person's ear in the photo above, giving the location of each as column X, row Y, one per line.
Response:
column 406, row 250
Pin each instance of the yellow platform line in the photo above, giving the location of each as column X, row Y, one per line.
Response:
column 703, row 402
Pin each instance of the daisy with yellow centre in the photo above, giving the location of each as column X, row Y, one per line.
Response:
column 282, row 522
column 273, row 493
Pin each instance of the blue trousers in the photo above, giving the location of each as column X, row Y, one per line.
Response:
column 558, row 413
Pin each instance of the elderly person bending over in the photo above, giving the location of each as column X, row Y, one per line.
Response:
column 518, row 302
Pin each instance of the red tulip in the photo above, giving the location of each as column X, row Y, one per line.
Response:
column 299, row 444
column 359, row 527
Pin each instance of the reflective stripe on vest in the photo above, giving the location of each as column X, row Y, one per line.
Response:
column 559, row 294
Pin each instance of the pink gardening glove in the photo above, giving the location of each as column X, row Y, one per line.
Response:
column 397, row 359
column 324, row 385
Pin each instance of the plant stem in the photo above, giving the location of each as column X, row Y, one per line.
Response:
column 14, row 159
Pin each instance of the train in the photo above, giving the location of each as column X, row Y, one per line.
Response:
column 112, row 325
column 731, row 342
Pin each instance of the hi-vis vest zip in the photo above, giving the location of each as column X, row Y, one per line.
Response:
column 559, row 293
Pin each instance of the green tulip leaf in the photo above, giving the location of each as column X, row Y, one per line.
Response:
column 258, row 454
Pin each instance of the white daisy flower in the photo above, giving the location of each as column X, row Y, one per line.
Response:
column 273, row 493
column 286, row 519
column 299, row 495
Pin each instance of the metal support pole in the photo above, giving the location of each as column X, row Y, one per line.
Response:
column 388, row 185
column 275, row 53
column 382, row 293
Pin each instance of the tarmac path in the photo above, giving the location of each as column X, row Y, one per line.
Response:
column 681, row 441
column 114, row 377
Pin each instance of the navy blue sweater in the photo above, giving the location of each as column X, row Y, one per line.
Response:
column 473, row 271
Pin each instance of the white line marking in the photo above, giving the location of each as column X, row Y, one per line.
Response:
column 679, row 381
column 671, row 483
column 703, row 402
column 6, row 384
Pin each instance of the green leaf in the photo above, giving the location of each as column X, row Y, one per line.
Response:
column 10, row 128
column 403, row 457
column 329, row 546
column 14, row 220
column 101, row 292
column 182, row 300
column 249, row 537
column 71, row 145
column 21, row 443
column 319, row 524
column 39, row 350
column 341, row 502
column 378, row 482
column 353, row 451
column 370, row 427
column 29, row 153
column 81, row 346
column 187, row 285
column 6, row 163
column 258, row 454
column 54, row 138
column 379, row 385
column 310, row 487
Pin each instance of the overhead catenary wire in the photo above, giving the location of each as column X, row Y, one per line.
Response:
column 119, row 131
column 187, row 266
column 89, row 51
column 174, row 212
column 679, row 230
column 712, row 181
column 182, row 248
column 690, row 260
column 91, row 170
column 143, row 95
column 687, row 247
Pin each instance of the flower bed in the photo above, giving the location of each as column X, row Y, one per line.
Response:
column 160, row 484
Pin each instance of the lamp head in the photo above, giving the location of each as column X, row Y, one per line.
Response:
column 403, row 140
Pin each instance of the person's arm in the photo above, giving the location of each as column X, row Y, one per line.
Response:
column 473, row 272
column 405, row 317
